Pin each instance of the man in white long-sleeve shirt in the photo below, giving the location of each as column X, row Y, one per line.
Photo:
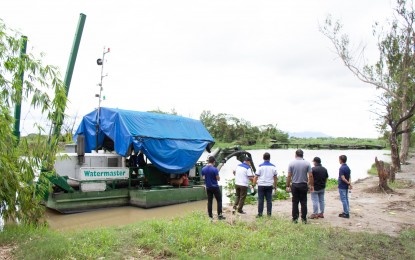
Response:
column 243, row 175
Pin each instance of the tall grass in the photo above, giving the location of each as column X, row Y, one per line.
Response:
column 332, row 184
column 195, row 237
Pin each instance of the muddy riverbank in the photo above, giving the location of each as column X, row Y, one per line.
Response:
column 370, row 210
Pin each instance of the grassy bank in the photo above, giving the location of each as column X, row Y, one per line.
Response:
column 194, row 236
column 339, row 141
column 373, row 171
column 310, row 141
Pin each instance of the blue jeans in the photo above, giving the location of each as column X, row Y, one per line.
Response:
column 317, row 197
column 264, row 191
column 344, row 197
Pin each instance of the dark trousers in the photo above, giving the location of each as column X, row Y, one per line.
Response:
column 299, row 191
column 214, row 191
column 241, row 192
column 264, row 191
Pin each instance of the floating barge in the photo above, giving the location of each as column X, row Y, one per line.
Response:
column 78, row 201
column 124, row 157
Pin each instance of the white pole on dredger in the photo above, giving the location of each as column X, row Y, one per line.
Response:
column 100, row 62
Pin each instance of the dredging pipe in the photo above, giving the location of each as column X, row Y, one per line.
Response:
column 18, row 105
column 69, row 70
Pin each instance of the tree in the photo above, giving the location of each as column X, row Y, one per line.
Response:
column 20, row 163
column 158, row 110
column 407, row 129
column 383, row 173
column 208, row 119
column 227, row 128
column 272, row 132
column 393, row 74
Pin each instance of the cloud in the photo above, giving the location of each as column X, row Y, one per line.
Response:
column 264, row 61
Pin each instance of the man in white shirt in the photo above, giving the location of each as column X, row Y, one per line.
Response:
column 243, row 175
column 266, row 177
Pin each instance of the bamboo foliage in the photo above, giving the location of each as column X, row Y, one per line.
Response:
column 20, row 164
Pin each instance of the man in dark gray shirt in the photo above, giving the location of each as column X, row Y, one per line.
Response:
column 299, row 171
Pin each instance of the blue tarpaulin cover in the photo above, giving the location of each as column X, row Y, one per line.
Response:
column 172, row 143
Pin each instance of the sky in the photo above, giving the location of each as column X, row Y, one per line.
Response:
column 263, row 61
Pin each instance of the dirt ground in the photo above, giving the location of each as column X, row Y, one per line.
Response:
column 5, row 252
column 370, row 210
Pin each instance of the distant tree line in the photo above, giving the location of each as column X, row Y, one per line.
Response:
column 229, row 129
column 226, row 128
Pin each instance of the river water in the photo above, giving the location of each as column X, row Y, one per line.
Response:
column 359, row 162
column 118, row 216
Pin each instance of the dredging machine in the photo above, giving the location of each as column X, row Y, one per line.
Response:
column 142, row 159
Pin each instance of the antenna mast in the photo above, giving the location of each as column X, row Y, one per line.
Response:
column 100, row 62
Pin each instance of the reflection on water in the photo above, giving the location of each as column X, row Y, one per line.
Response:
column 358, row 160
column 118, row 216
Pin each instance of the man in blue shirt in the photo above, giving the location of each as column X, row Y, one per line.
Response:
column 344, row 186
column 211, row 176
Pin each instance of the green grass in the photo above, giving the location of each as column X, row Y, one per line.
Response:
column 332, row 184
column 195, row 237
column 373, row 171
column 401, row 184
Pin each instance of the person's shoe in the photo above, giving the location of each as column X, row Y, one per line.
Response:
column 241, row 212
column 344, row 215
column 221, row 217
column 295, row 221
column 321, row 215
column 258, row 216
column 304, row 221
column 314, row 216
